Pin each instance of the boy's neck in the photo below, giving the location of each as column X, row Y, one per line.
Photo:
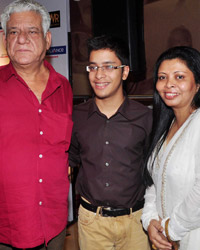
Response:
column 109, row 106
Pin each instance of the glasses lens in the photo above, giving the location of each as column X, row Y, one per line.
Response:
column 92, row 68
column 108, row 68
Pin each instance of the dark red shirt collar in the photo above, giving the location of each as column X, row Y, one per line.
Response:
column 8, row 71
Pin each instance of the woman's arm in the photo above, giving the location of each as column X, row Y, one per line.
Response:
column 149, row 210
column 186, row 215
column 151, row 221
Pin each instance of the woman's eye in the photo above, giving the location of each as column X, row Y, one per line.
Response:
column 180, row 77
column 161, row 77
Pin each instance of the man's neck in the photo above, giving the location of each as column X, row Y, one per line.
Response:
column 30, row 71
column 35, row 77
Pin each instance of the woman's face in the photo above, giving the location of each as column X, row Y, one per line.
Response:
column 176, row 84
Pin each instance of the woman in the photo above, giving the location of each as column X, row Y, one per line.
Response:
column 171, row 214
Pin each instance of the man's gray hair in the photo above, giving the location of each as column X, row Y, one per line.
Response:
column 26, row 5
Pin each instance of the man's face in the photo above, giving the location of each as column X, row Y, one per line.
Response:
column 107, row 85
column 25, row 41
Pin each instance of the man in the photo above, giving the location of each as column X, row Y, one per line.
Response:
column 35, row 133
column 109, row 140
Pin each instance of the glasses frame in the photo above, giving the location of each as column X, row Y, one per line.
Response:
column 101, row 67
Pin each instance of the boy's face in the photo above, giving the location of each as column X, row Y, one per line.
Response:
column 106, row 83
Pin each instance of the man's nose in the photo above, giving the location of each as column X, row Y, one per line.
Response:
column 23, row 37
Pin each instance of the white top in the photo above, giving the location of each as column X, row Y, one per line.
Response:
column 176, row 189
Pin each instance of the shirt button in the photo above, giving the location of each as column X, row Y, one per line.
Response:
column 40, row 156
column 107, row 184
column 40, row 203
column 40, row 180
column 40, row 111
column 107, row 164
column 41, row 132
column 107, row 142
column 107, row 121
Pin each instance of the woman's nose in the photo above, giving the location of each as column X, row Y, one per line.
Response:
column 170, row 83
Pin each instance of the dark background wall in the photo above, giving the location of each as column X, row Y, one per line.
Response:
column 148, row 26
column 125, row 20
column 122, row 18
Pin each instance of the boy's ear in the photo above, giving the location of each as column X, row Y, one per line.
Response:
column 125, row 73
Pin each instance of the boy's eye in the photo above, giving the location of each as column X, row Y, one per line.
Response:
column 93, row 68
column 105, row 68
column 108, row 67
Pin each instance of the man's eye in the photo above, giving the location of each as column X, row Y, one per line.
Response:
column 12, row 32
column 33, row 32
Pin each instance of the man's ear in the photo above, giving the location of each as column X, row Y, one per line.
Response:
column 125, row 72
column 4, row 39
column 48, row 39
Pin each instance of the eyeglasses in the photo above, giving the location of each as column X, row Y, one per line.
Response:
column 106, row 68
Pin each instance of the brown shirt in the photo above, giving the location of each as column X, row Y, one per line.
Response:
column 110, row 152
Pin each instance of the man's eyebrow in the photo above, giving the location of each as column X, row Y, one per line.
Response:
column 9, row 28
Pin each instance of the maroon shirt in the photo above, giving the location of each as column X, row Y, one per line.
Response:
column 110, row 152
column 34, row 139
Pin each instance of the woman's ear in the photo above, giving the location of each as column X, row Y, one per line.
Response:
column 197, row 88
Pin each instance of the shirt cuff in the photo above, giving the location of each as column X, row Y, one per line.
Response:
column 146, row 222
column 173, row 236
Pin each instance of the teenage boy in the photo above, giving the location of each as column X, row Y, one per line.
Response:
column 109, row 140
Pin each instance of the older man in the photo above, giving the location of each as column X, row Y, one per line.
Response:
column 35, row 132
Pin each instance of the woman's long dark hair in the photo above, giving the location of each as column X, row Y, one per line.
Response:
column 162, row 114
